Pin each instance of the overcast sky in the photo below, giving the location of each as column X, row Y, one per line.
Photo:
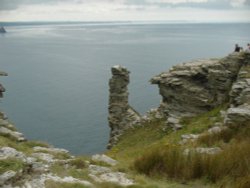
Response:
column 129, row 10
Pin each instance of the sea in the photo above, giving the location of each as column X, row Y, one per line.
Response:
column 57, row 88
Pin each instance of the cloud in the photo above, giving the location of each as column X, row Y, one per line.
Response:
column 103, row 10
column 238, row 3
column 177, row 1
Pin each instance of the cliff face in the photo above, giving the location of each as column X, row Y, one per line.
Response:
column 121, row 114
column 187, row 89
column 239, row 111
column 198, row 86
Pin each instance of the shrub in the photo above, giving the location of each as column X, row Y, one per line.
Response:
column 78, row 163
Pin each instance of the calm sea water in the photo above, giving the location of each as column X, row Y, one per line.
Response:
column 57, row 88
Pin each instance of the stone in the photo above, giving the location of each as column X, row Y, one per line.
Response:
column 210, row 151
column 8, row 152
column 174, row 122
column 121, row 115
column 67, row 179
column 50, row 149
column 95, row 169
column 44, row 156
column 104, row 158
column 189, row 136
column 39, row 181
column 6, row 176
column 237, row 116
column 215, row 130
column 104, row 174
column 16, row 135
column 116, row 177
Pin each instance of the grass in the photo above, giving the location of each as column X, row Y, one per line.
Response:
column 62, row 171
column 150, row 138
column 53, row 184
column 11, row 164
column 232, row 163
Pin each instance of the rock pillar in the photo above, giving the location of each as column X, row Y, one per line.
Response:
column 121, row 115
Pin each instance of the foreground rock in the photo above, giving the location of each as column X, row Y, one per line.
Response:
column 104, row 158
column 121, row 114
column 104, row 174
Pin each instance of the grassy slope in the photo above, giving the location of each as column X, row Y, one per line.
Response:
column 231, row 168
column 138, row 141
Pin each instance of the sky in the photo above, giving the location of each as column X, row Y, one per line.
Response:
column 126, row 10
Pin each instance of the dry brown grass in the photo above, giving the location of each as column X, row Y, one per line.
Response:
column 232, row 163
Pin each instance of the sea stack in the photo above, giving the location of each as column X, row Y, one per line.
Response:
column 2, row 30
column 121, row 114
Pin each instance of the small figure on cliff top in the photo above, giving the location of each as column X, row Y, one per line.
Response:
column 237, row 48
column 248, row 48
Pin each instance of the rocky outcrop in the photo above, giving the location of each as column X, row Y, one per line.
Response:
column 239, row 111
column 2, row 89
column 121, row 114
column 198, row 86
column 2, row 30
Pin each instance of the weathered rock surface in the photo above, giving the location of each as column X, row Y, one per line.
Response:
column 104, row 158
column 239, row 111
column 52, row 150
column 197, row 86
column 8, row 152
column 6, row 176
column 104, row 174
column 14, row 134
column 121, row 114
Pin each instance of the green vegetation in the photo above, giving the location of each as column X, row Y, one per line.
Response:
column 53, row 184
column 148, row 150
column 10, row 164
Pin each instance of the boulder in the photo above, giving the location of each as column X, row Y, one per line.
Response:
column 237, row 116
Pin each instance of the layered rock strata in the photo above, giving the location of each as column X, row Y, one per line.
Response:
column 239, row 111
column 121, row 114
column 198, row 86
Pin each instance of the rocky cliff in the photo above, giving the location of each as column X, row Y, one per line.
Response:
column 187, row 89
column 196, row 87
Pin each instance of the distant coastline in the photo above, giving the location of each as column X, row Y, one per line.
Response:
column 34, row 23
